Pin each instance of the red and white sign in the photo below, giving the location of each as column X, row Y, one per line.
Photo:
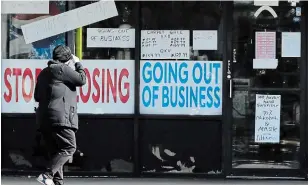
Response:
column 265, row 45
column 109, row 88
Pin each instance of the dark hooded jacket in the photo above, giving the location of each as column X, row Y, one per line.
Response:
column 57, row 96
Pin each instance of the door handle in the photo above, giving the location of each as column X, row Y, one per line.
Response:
column 230, row 88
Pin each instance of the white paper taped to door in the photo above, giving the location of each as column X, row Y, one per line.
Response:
column 265, row 63
column 267, row 118
column 205, row 40
column 68, row 21
column 25, row 7
column 291, row 44
column 110, row 38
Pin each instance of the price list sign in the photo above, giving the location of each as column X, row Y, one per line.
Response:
column 265, row 45
column 165, row 44
column 267, row 118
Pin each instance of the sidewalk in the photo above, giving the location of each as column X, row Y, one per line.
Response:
column 114, row 181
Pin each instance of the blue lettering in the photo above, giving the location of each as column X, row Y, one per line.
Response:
column 185, row 73
column 155, row 95
column 193, row 96
column 158, row 66
column 147, row 102
column 210, row 97
column 216, row 94
column 175, row 95
column 173, row 72
column 199, row 67
column 202, row 96
column 182, row 98
column 207, row 73
column 217, row 66
column 148, row 78
column 165, row 96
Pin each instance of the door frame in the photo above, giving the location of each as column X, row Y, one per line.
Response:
column 230, row 172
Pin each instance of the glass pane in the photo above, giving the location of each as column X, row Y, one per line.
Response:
column 246, row 152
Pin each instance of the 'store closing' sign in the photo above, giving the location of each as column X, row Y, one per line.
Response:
column 181, row 87
column 109, row 88
column 267, row 118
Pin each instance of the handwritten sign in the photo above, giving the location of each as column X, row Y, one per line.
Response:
column 68, row 21
column 110, row 38
column 267, row 118
column 205, row 40
column 265, row 45
column 25, row 7
column 164, row 44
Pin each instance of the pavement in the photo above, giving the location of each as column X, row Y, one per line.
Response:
column 126, row 181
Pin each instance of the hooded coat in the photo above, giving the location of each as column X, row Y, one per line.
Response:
column 56, row 94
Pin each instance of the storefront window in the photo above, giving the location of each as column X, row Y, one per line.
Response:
column 13, row 42
column 183, row 40
column 177, row 37
column 112, row 39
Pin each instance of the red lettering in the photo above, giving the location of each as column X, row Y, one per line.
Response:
column 16, row 72
column 37, row 72
column 103, row 85
column 7, row 96
column 96, row 86
column 85, row 98
column 27, row 97
column 112, row 86
column 123, row 98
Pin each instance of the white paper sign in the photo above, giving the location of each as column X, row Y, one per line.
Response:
column 291, row 44
column 181, row 87
column 110, row 38
column 267, row 118
column 266, row 2
column 25, row 7
column 68, row 21
column 164, row 44
column 265, row 45
column 265, row 63
column 205, row 40
column 109, row 89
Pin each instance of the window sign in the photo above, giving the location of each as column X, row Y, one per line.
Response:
column 164, row 44
column 110, row 38
column 181, row 87
column 109, row 88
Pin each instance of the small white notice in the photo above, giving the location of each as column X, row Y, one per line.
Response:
column 68, row 21
column 291, row 44
column 110, row 38
column 266, row 2
column 265, row 45
column 265, row 63
column 267, row 118
column 25, row 7
column 205, row 40
column 164, row 44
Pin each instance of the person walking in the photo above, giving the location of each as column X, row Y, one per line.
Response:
column 56, row 115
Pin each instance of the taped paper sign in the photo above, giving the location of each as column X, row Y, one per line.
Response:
column 267, row 118
column 110, row 38
column 265, row 45
column 265, row 63
column 266, row 2
column 68, row 21
column 291, row 44
column 205, row 40
column 164, row 44
column 25, row 7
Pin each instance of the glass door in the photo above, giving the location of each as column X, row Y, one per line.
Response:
column 266, row 75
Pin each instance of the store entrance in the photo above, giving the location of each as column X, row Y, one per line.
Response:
column 266, row 81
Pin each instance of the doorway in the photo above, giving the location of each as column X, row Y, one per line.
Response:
column 266, row 89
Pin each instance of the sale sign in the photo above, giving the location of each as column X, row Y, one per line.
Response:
column 109, row 88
